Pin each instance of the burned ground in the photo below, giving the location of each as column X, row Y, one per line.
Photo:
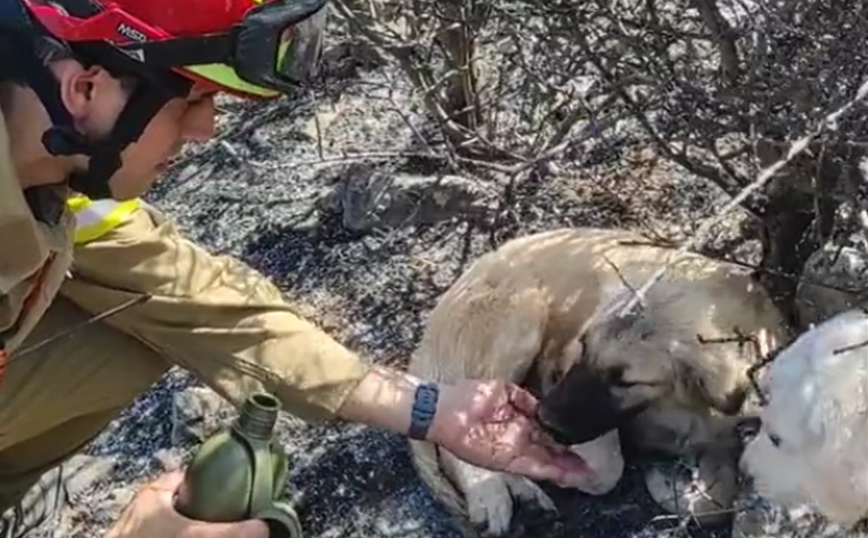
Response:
column 339, row 198
column 368, row 270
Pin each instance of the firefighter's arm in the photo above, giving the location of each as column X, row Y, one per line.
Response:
column 213, row 315
column 384, row 398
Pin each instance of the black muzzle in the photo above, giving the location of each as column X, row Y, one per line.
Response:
column 583, row 407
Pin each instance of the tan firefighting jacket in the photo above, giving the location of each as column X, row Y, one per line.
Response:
column 37, row 236
column 35, row 251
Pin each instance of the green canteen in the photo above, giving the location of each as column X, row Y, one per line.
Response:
column 239, row 473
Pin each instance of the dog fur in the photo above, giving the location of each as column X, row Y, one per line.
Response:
column 812, row 448
column 542, row 311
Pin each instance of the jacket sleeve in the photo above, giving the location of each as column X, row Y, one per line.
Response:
column 213, row 315
column 33, row 257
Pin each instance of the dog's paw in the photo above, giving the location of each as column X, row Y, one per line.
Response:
column 490, row 499
column 703, row 489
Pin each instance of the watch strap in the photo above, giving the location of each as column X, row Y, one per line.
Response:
column 424, row 409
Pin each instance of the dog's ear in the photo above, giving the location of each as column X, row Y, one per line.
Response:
column 698, row 383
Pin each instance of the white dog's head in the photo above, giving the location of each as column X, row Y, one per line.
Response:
column 812, row 448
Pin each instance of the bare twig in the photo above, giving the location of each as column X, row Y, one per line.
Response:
column 797, row 147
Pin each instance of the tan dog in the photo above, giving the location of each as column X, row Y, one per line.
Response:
column 543, row 311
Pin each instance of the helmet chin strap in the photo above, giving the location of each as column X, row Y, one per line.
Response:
column 146, row 100
column 153, row 90
column 105, row 154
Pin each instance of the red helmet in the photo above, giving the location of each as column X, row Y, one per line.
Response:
column 251, row 48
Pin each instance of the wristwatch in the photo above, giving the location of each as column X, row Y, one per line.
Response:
column 424, row 409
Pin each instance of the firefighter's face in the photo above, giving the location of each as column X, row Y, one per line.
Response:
column 96, row 99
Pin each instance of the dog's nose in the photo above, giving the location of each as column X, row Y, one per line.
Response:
column 552, row 428
column 568, row 433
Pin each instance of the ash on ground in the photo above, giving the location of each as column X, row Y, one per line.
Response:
column 338, row 201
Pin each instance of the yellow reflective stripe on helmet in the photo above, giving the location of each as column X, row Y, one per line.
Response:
column 225, row 75
column 95, row 218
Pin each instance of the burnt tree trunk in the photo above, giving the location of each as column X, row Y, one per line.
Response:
column 798, row 218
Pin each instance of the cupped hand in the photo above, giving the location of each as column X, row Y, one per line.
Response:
column 152, row 514
column 492, row 424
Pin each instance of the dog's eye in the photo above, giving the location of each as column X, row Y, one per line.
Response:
column 615, row 378
column 623, row 384
column 775, row 440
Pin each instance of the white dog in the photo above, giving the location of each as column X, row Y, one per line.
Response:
column 812, row 448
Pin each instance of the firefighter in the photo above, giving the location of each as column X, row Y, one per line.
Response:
column 96, row 98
